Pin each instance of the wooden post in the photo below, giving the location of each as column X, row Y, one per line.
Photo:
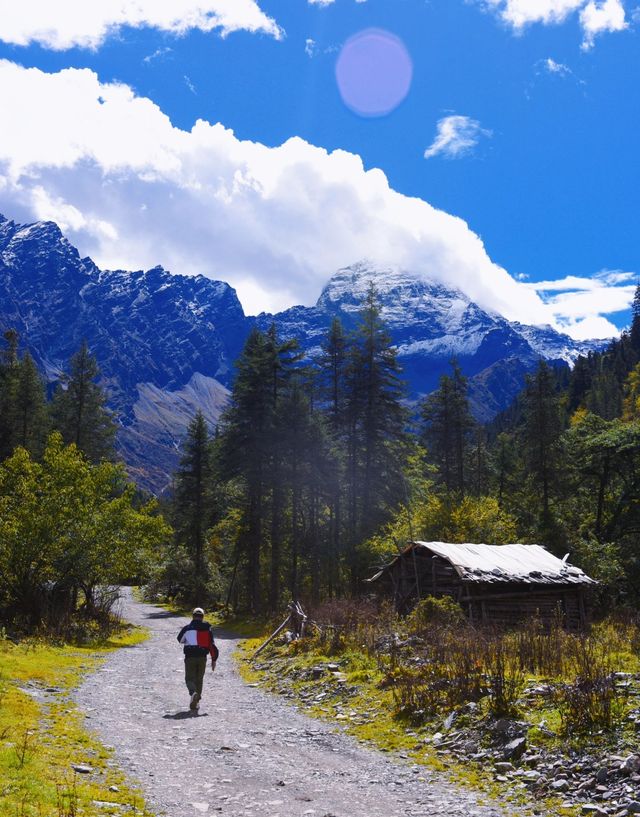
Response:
column 271, row 637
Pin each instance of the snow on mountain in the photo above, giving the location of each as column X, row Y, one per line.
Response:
column 148, row 330
column 430, row 323
column 166, row 343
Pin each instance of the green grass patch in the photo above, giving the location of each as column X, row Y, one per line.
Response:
column 355, row 701
column 43, row 735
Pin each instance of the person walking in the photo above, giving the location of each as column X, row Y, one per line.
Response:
column 197, row 638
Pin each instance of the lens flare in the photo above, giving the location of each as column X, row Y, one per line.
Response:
column 373, row 72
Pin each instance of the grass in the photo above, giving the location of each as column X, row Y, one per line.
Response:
column 42, row 735
column 368, row 710
column 369, row 699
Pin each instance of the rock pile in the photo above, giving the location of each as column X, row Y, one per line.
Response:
column 602, row 780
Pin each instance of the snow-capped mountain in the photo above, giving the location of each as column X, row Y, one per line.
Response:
column 431, row 323
column 166, row 343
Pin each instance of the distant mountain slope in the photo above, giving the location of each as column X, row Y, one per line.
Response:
column 166, row 343
column 431, row 323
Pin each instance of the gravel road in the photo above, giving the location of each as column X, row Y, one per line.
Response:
column 247, row 753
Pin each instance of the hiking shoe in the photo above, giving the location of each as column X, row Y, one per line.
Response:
column 195, row 700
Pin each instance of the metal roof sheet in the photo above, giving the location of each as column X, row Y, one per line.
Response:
column 530, row 564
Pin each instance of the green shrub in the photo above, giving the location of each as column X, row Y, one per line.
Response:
column 429, row 612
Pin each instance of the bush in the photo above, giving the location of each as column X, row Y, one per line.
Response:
column 592, row 702
column 434, row 612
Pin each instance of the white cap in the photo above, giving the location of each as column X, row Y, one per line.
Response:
column 198, row 611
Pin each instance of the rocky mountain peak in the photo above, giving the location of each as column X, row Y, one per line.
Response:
column 166, row 343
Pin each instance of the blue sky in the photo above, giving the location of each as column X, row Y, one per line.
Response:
column 521, row 120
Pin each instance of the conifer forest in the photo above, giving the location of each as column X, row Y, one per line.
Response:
column 319, row 472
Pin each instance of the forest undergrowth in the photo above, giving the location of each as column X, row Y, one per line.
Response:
column 454, row 697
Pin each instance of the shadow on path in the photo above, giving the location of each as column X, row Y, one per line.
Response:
column 164, row 614
column 180, row 716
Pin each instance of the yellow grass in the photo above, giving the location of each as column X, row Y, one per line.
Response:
column 42, row 735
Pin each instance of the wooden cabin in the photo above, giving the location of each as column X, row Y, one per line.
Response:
column 494, row 584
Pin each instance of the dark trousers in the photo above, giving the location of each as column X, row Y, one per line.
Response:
column 194, row 669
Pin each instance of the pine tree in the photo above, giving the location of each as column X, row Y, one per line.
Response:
column 79, row 411
column 192, row 502
column 332, row 364
column 375, row 428
column 245, row 449
column 541, row 433
column 448, row 421
column 29, row 409
column 8, row 386
column 282, row 359
column 332, row 375
column 580, row 382
column 504, row 465
column 634, row 333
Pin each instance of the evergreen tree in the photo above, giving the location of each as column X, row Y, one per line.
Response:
column 541, row 433
column 375, row 428
column 333, row 368
column 504, row 466
column 333, row 362
column 245, row 449
column 8, row 387
column 634, row 333
column 29, row 408
column 580, row 382
column 192, row 502
column 79, row 411
column 447, row 423
column 282, row 358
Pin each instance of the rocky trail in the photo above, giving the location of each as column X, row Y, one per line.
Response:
column 246, row 753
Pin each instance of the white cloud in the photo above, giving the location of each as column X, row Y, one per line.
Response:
column 558, row 68
column 521, row 13
column 132, row 190
column 599, row 17
column 158, row 54
column 87, row 23
column 596, row 16
column 456, row 136
column 581, row 303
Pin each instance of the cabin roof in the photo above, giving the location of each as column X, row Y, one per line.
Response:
column 527, row 564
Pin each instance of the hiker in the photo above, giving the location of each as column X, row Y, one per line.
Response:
column 197, row 638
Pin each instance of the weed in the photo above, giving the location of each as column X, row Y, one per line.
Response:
column 506, row 679
column 592, row 701
column 25, row 747
column 67, row 798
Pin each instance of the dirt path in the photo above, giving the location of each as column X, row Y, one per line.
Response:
column 247, row 754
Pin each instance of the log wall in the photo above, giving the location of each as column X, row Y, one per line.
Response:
column 418, row 574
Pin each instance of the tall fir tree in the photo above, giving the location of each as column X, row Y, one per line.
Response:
column 332, row 375
column 79, row 409
column 8, row 386
column 283, row 357
column 192, row 509
column 634, row 332
column 447, row 424
column 29, row 408
column 245, row 450
column 541, row 434
column 376, row 433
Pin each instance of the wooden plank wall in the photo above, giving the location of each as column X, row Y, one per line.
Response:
column 418, row 574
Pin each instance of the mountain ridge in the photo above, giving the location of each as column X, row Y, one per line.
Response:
column 166, row 342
